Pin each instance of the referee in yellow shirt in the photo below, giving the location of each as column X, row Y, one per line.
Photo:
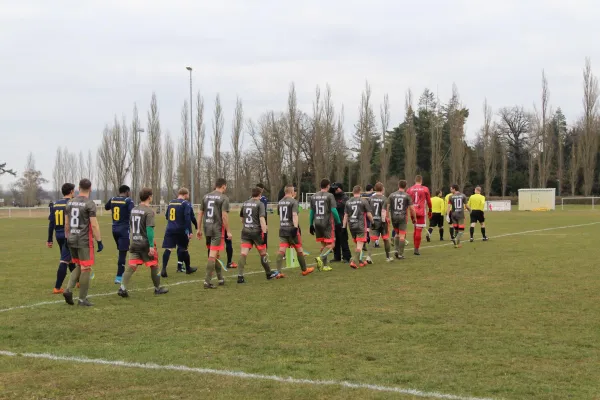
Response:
column 438, row 210
column 450, row 227
column 477, row 205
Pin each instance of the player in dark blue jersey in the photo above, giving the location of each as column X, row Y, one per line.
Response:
column 265, row 201
column 57, row 224
column 120, row 209
column 179, row 231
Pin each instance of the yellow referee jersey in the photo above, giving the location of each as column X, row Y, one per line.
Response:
column 438, row 205
column 477, row 202
column 446, row 200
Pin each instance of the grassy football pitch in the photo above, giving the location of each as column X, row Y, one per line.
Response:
column 517, row 317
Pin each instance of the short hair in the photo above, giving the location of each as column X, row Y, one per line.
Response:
column 260, row 186
column 145, row 194
column 256, row 191
column 369, row 187
column 454, row 186
column 85, row 184
column 478, row 188
column 356, row 189
column 67, row 188
column 289, row 189
column 418, row 179
column 183, row 191
column 402, row 184
column 220, row 183
column 379, row 187
column 124, row 189
column 439, row 192
column 324, row 183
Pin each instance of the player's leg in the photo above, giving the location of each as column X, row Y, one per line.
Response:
column 229, row 250
column 284, row 244
column 301, row 258
column 135, row 260
column 246, row 246
column 216, row 245
column 396, row 238
column 169, row 244
column 473, row 217
column 184, row 243
column 122, row 241
column 61, row 274
column 264, row 261
column 440, row 224
column 417, row 235
column 482, row 223
column 401, row 235
column 459, row 229
column 86, row 261
column 430, row 229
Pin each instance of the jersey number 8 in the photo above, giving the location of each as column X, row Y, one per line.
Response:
column 116, row 213
column 75, row 218
column 172, row 214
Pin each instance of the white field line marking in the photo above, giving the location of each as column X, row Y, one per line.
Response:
column 242, row 375
column 45, row 303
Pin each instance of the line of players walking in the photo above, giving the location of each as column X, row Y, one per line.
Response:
column 73, row 219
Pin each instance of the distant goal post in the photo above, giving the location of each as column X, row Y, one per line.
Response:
column 537, row 199
column 579, row 203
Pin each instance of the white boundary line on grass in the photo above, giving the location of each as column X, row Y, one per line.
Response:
column 242, row 375
column 45, row 303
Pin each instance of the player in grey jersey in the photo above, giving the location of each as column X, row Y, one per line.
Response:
column 142, row 247
column 323, row 217
column 81, row 226
column 214, row 215
column 356, row 213
column 289, row 230
column 399, row 206
column 254, row 227
column 380, row 229
column 456, row 213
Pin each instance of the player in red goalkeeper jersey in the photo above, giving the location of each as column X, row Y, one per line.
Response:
column 420, row 197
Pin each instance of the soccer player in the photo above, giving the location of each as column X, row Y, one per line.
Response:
column 357, row 211
column 380, row 226
column 367, row 194
column 456, row 214
column 399, row 205
column 438, row 209
column 446, row 202
column 289, row 230
column 143, row 247
column 323, row 213
column 81, row 226
column 120, row 208
column 179, row 231
column 57, row 224
column 265, row 201
column 477, row 204
column 214, row 216
column 254, row 228
column 420, row 197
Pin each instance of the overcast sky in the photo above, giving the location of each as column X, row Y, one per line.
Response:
column 66, row 67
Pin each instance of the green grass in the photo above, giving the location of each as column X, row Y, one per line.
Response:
column 515, row 318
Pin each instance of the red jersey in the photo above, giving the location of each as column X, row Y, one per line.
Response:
column 420, row 196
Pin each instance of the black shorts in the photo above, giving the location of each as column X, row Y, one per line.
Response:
column 477, row 216
column 437, row 220
column 173, row 239
column 121, row 237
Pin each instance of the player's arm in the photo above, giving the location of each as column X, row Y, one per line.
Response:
column 193, row 217
column 295, row 219
column 225, row 217
column 51, row 225
column 130, row 205
column 263, row 225
column 370, row 216
column 334, row 211
column 108, row 205
column 384, row 214
column 187, row 217
column 262, row 217
column 345, row 221
column 201, row 219
column 95, row 229
column 413, row 213
column 67, row 224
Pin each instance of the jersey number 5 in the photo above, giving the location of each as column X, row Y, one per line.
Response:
column 210, row 209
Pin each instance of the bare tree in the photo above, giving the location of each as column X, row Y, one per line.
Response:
column 217, row 125
column 515, row 127
column 135, row 151
column 83, row 172
column 114, row 152
column 437, row 139
column 183, row 164
column 28, row 189
column 366, row 129
column 504, row 155
column 294, row 137
column 169, row 165
column 237, row 141
column 317, row 140
column 456, row 120
column 57, row 173
column 546, row 146
column 102, row 169
column 574, row 163
column 199, row 144
column 153, row 149
column 410, row 139
column 489, row 148
column 589, row 137
column 560, row 127
column 386, row 145
column 267, row 137
column 341, row 149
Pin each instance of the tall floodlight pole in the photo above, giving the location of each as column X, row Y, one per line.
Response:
column 191, row 142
